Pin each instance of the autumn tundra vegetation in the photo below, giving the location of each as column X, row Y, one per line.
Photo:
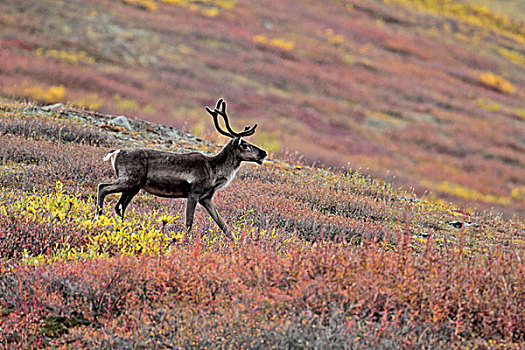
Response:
column 319, row 258
column 426, row 94
column 399, row 225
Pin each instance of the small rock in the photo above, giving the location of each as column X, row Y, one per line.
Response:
column 121, row 121
column 460, row 224
column 174, row 134
column 53, row 107
column 410, row 199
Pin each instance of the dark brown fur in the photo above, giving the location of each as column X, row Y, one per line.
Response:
column 166, row 174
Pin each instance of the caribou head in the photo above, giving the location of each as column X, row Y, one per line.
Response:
column 244, row 151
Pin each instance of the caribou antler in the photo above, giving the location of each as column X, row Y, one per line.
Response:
column 220, row 109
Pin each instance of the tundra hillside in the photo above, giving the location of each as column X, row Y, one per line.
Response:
column 320, row 259
column 426, row 94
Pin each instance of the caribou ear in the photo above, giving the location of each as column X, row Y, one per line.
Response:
column 238, row 141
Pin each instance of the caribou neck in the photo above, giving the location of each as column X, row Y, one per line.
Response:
column 225, row 162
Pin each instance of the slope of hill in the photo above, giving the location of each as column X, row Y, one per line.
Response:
column 320, row 259
column 423, row 94
column 515, row 9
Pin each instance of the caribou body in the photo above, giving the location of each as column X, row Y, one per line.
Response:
column 194, row 176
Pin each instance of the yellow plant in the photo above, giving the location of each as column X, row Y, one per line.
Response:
column 199, row 129
column 226, row 4
column 283, row 44
column 464, row 38
column 90, row 101
column 518, row 193
column 51, row 94
column 513, row 56
column 260, row 39
column 470, row 194
column 471, row 14
column 52, row 207
column 348, row 59
column 131, row 237
column 210, row 12
column 72, row 57
column 149, row 109
column 176, row 2
column 520, row 112
column 497, row 82
column 125, row 104
column 138, row 234
column 208, row 8
column 334, row 39
column 488, row 105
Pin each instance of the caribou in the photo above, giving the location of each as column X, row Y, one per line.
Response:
column 193, row 176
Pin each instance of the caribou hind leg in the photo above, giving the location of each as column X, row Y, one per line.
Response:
column 124, row 201
column 120, row 185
